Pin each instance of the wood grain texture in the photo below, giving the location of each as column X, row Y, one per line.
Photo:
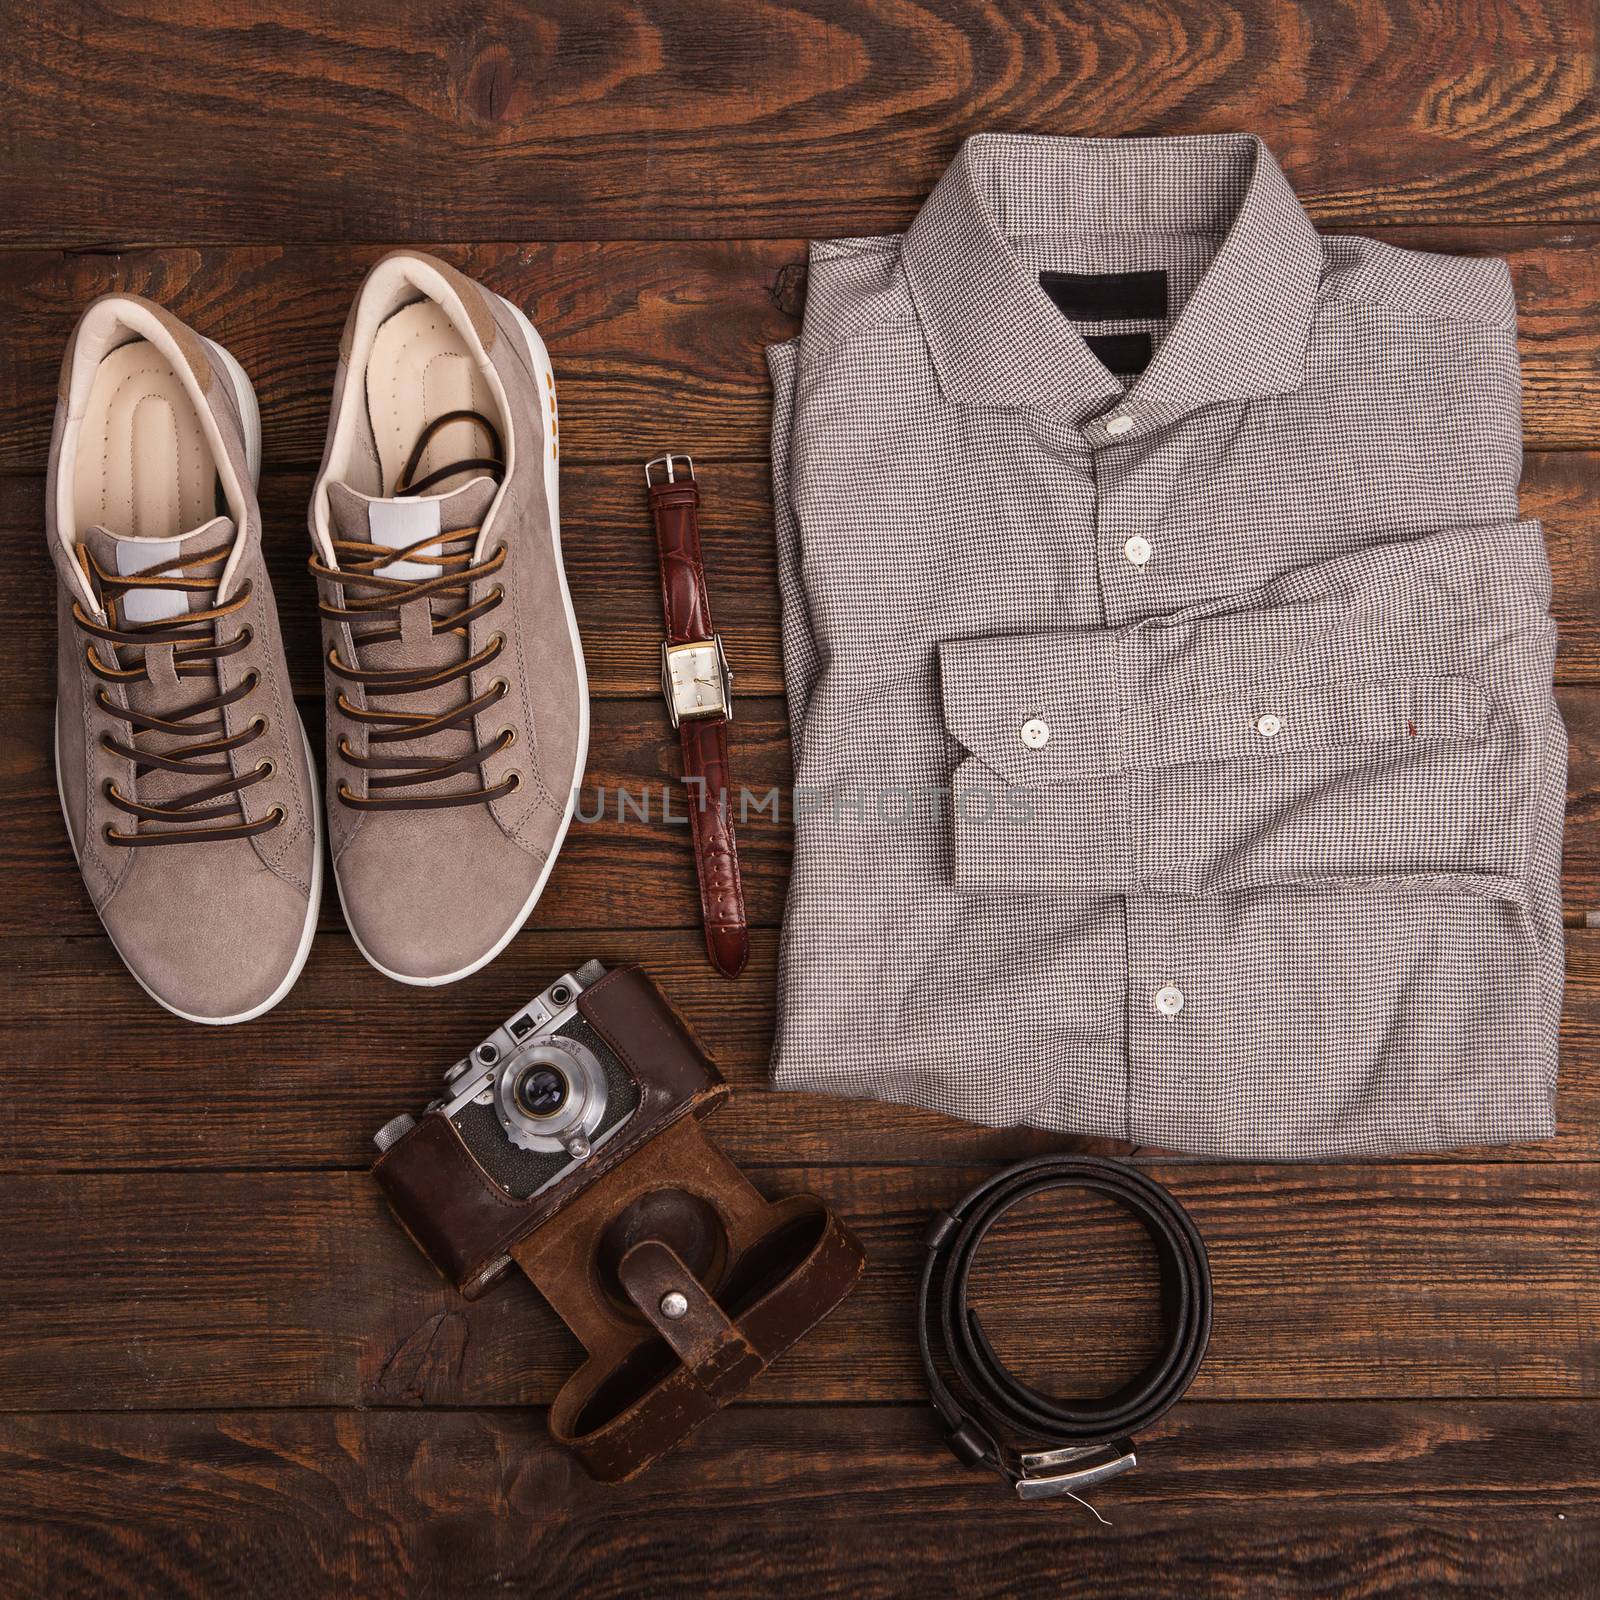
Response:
column 627, row 323
column 611, row 566
column 225, row 1371
column 499, row 120
column 306, row 1085
column 297, row 1289
column 1248, row 1502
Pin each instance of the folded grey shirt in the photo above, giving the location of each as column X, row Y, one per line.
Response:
column 1175, row 753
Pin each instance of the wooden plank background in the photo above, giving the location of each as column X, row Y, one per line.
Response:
column 223, row 1370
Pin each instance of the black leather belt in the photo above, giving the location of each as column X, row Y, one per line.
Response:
column 1046, row 1446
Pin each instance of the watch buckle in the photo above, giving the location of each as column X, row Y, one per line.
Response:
column 724, row 684
column 668, row 461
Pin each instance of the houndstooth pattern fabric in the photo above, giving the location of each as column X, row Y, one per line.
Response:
column 1175, row 761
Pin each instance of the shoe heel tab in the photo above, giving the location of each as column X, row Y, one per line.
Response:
column 114, row 306
column 427, row 274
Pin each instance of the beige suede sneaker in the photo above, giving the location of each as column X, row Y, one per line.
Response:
column 185, row 777
column 458, row 710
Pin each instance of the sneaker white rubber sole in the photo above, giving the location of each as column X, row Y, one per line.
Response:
column 539, row 362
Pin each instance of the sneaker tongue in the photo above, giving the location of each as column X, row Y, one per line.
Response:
column 398, row 523
column 158, row 694
column 122, row 556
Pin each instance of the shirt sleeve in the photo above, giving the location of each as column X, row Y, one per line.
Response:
column 1383, row 717
column 800, row 654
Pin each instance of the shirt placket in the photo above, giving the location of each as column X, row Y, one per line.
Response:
column 1165, row 998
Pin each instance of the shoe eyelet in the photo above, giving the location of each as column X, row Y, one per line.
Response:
column 501, row 685
column 109, row 833
column 267, row 768
column 514, row 778
column 257, row 726
column 344, row 793
column 497, row 642
column 508, row 736
column 499, row 593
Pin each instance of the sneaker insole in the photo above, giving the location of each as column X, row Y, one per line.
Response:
column 420, row 368
column 144, row 467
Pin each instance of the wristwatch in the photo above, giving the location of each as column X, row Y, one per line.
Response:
column 697, row 684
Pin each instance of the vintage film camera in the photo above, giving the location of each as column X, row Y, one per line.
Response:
column 568, row 1143
column 538, row 1095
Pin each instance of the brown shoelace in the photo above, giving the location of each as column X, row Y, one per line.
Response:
column 378, row 598
column 196, row 731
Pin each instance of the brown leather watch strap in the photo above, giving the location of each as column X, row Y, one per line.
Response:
column 698, row 687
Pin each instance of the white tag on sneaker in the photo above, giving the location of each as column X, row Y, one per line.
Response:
column 395, row 524
column 149, row 605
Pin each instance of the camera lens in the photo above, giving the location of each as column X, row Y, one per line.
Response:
column 542, row 1091
column 551, row 1096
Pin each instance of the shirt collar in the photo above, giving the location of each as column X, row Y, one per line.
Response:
column 997, row 339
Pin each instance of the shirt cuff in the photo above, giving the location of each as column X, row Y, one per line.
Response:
column 1069, row 783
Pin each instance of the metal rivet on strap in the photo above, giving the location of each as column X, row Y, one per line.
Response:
column 674, row 1304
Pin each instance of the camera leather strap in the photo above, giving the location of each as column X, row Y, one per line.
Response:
column 719, row 1357
column 1043, row 1445
column 698, row 686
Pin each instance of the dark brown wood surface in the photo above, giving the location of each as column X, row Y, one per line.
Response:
column 223, row 1371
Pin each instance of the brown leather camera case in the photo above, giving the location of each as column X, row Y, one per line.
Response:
column 681, row 1281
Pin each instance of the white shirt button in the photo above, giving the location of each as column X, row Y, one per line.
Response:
column 1117, row 426
column 1269, row 726
column 1169, row 1000
column 1035, row 734
column 1138, row 550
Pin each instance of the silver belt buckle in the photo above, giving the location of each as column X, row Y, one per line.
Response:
column 1047, row 1473
column 696, row 680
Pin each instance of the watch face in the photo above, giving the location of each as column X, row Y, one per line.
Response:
column 696, row 674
